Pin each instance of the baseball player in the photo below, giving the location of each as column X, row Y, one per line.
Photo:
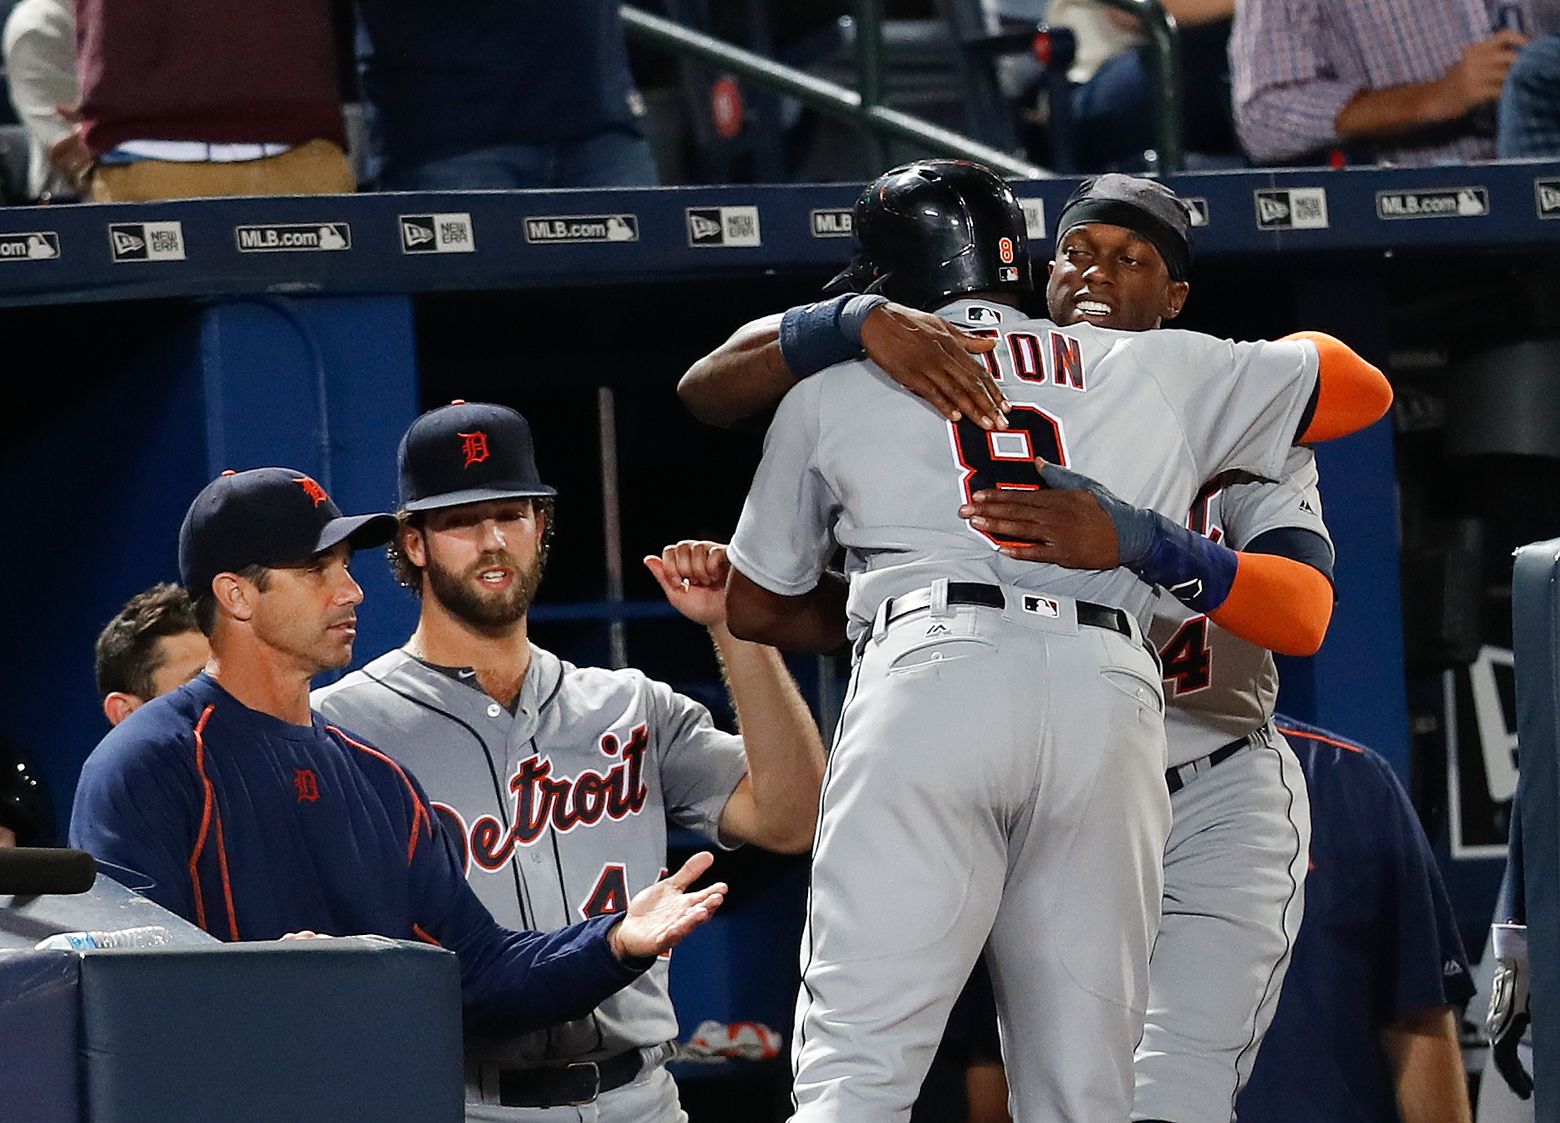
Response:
column 560, row 780
column 1234, row 865
column 151, row 646
column 230, row 803
column 1012, row 778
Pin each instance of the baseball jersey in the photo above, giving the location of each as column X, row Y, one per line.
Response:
column 1219, row 687
column 1179, row 408
column 252, row 827
column 1379, row 942
column 560, row 808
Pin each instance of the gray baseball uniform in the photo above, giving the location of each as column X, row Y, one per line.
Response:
column 563, row 805
column 1235, row 864
column 998, row 772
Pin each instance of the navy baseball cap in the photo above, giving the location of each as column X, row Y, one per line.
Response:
column 266, row 516
column 1144, row 206
column 467, row 452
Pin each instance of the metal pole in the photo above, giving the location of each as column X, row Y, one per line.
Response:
column 611, row 521
column 826, row 97
column 869, row 72
column 1166, row 40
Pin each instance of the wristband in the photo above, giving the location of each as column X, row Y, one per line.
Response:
column 1196, row 571
column 816, row 336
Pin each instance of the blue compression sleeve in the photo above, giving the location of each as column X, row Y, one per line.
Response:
column 816, row 336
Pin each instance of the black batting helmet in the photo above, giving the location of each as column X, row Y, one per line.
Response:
column 934, row 229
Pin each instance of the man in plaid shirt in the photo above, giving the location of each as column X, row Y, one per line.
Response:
column 1406, row 81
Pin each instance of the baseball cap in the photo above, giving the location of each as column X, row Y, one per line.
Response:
column 266, row 516
column 467, row 452
column 1145, row 206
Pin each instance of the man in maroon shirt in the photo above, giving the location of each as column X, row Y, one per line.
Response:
column 185, row 98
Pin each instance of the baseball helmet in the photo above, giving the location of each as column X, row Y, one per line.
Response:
column 933, row 229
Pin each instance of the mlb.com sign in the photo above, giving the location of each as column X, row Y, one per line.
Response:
column 297, row 236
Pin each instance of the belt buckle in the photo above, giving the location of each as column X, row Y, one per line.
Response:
column 575, row 1067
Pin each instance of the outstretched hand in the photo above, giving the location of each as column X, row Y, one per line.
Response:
column 936, row 360
column 659, row 917
column 693, row 574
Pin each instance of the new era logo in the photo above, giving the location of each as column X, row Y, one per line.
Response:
column 575, row 228
column 838, row 223
column 723, row 226
column 311, row 236
column 1197, row 210
column 1546, row 193
column 437, row 233
column 1292, row 208
column 146, row 241
column 32, row 245
column 1034, row 217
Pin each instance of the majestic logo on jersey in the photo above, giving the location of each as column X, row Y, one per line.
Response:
column 474, row 446
column 542, row 800
column 307, row 785
column 313, row 490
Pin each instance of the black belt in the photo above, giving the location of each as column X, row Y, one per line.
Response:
column 990, row 596
column 567, row 1085
column 1173, row 779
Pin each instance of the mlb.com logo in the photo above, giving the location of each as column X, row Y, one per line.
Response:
column 309, row 236
column 1546, row 193
column 723, row 226
column 146, row 241
column 31, row 245
column 437, row 233
column 567, row 229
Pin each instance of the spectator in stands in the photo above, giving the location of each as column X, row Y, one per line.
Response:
column 1529, row 118
column 1115, row 83
column 26, row 818
column 40, row 69
column 184, row 98
column 151, row 646
column 480, row 95
column 1366, row 1026
column 1400, row 82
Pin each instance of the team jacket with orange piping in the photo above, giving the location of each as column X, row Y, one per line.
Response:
column 252, row 827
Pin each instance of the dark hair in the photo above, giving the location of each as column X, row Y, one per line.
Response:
column 409, row 576
column 206, row 603
column 126, row 651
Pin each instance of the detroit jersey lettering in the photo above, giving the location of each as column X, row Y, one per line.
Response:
column 1179, row 407
column 604, row 758
column 1218, row 686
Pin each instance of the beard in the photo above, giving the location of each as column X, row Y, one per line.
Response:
column 462, row 593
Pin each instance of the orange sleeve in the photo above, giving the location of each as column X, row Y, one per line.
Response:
column 1350, row 393
column 1277, row 603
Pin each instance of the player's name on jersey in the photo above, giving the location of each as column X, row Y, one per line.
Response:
column 724, row 226
column 834, row 222
column 30, row 245
column 1440, row 202
column 1546, row 196
column 562, row 229
column 296, row 236
column 437, row 233
column 1291, row 208
column 146, row 241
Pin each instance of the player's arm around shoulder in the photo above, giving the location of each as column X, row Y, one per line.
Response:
column 775, row 804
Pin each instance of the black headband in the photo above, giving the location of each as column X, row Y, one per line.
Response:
column 1172, row 246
